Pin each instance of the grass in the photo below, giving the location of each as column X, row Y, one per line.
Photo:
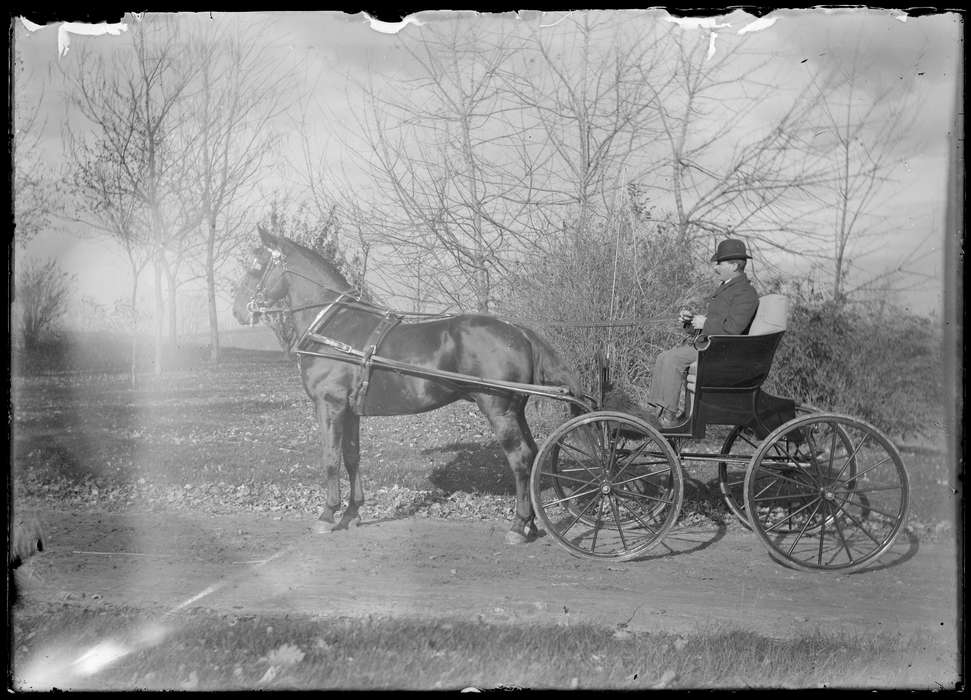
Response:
column 203, row 650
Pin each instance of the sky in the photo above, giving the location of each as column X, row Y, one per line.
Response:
column 913, row 55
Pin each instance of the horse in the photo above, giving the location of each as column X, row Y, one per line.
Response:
column 289, row 276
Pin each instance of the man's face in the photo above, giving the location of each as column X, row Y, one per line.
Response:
column 725, row 270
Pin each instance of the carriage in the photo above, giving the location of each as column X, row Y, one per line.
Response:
column 821, row 490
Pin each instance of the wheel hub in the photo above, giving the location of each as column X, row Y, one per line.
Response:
column 605, row 488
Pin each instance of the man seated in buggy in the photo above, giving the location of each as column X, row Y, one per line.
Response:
column 731, row 308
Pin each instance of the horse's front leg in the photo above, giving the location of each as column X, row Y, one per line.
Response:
column 330, row 424
column 351, row 451
column 509, row 424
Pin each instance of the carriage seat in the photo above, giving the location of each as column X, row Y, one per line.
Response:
column 771, row 316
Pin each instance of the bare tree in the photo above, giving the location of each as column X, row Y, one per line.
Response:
column 865, row 134
column 107, row 206
column 720, row 165
column 133, row 104
column 237, row 96
column 587, row 116
column 35, row 188
column 433, row 147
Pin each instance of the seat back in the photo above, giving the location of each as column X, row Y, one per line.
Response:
column 729, row 379
column 736, row 367
column 771, row 316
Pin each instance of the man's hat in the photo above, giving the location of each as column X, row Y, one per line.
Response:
column 730, row 249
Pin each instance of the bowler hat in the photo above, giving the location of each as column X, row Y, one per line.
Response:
column 730, row 249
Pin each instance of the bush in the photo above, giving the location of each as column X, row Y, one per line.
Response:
column 40, row 301
column 884, row 369
column 645, row 280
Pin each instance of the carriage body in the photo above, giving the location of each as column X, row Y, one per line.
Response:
column 727, row 389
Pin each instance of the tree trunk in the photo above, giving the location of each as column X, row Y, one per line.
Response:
column 159, row 315
column 172, row 311
column 482, row 288
column 133, row 369
column 211, row 292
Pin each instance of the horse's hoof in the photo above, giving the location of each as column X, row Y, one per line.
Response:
column 322, row 527
column 516, row 538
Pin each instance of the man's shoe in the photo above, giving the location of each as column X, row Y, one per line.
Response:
column 669, row 419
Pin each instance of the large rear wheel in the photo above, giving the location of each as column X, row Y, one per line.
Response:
column 607, row 485
column 826, row 492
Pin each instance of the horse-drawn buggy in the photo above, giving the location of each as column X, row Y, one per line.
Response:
column 822, row 491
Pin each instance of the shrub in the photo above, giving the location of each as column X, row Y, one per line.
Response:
column 41, row 295
column 885, row 369
column 644, row 279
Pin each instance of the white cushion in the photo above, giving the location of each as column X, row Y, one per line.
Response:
column 771, row 316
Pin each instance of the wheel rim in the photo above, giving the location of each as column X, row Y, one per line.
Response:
column 607, row 485
column 827, row 492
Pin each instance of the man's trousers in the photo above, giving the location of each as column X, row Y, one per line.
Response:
column 667, row 381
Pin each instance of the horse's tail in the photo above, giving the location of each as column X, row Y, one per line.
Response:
column 549, row 369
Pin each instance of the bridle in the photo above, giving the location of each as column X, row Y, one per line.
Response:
column 258, row 304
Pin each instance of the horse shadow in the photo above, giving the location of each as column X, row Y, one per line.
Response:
column 471, row 467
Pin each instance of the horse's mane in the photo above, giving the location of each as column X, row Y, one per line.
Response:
column 318, row 260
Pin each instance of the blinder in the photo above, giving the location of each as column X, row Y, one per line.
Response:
column 258, row 304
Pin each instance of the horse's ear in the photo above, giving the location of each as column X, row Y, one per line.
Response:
column 268, row 239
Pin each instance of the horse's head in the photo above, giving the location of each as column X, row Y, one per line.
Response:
column 264, row 286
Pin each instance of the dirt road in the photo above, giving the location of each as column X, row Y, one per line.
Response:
column 706, row 579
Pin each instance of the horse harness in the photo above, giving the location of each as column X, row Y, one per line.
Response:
column 314, row 333
column 389, row 319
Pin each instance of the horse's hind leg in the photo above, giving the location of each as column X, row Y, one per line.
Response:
column 508, row 420
column 351, row 451
column 331, row 425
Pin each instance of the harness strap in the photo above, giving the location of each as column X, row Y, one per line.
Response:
column 321, row 319
column 388, row 321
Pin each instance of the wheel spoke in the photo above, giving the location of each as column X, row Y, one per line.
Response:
column 572, row 496
column 802, row 532
column 596, row 525
column 654, row 499
column 580, row 452
column 620, row 527
column 789, row 517
column 636, row 516
column 565, row 477
column 787, row 497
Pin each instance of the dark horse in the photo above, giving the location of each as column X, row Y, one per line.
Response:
column 477, row 345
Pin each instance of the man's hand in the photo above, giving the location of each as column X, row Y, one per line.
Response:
column 698, row 321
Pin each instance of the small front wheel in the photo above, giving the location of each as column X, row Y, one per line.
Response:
column 826, row 492
column 607, row 485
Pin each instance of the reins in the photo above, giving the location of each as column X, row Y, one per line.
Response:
column 351, row 298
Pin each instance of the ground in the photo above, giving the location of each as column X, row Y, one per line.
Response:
column 199, row 492
column 702, row 579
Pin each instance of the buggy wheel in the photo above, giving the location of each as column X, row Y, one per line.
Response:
column 731, row 476
column 826, row 492
column 607, row 485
